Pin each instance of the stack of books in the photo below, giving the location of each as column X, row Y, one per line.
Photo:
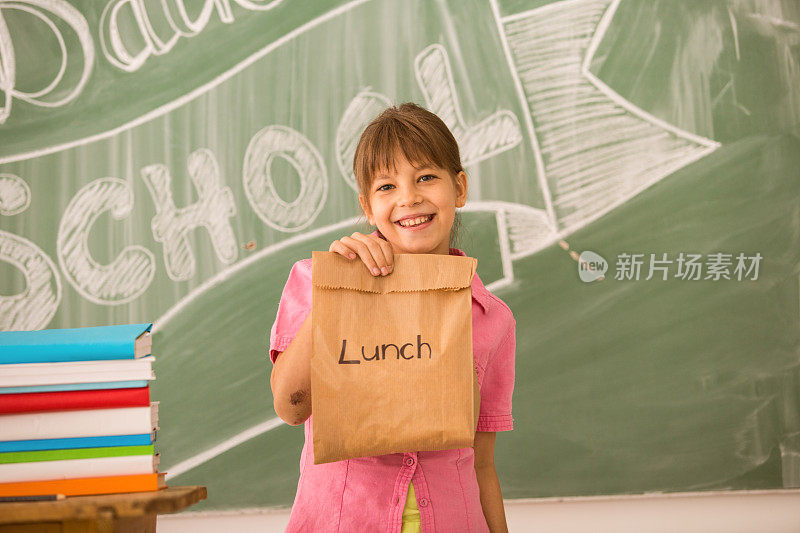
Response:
column 75, row 412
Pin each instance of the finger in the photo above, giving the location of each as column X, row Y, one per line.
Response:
column 381, row 251
column 364, row 250
column 388, row 252
column 340, row 248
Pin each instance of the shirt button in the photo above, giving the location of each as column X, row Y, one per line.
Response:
column 423, row 502
column 410, row 461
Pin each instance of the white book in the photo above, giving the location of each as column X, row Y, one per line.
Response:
column 31, row 374
column 85, row 423
column 78, row 468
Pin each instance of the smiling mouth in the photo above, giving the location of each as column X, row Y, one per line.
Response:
column 420, row 225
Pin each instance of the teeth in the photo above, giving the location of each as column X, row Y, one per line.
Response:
column 414, row 221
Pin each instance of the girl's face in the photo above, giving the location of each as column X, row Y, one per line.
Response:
column 407, row 193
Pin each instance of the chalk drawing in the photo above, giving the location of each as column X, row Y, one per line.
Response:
column 43, row 10
column 528, row 229
column 224, row 446
column 34, row 307
column 212, row 211
column 359, row 113
column 548, row 50
column 293, row 147
column 129, row 274
column 119, row 53
column 511, row 241
column 495, row 134
column 594, row 149
column 15, row 195
column 188, row 97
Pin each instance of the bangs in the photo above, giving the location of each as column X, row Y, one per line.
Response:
column 409, row 132
column 392, row 140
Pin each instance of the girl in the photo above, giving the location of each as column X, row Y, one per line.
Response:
column 410, row 180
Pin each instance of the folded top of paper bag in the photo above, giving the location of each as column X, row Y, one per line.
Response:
column 411, row 272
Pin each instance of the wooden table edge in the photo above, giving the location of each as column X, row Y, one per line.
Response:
column 125, row 505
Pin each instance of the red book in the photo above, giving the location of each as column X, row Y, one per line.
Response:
column 74, row 400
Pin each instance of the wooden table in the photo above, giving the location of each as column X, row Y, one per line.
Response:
column 118, row 513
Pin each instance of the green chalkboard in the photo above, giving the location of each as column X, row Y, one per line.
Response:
column 633, row 196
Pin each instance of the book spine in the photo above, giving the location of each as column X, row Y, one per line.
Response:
column 74, row 453
column 83, row 486
column 74, row 400
column 75, row 386
column 74, row 468
column 144, row 439
column 68, row 424
column 76, row 372
column 77, row 344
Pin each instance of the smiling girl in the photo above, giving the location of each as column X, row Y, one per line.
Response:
column 410, row 181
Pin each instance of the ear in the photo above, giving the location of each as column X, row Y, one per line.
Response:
column 365, row 207
column 461, row 189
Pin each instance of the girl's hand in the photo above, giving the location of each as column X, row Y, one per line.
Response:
column 375, row 252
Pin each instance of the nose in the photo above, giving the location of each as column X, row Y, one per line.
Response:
column 409, row 195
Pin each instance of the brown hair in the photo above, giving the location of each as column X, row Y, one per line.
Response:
column 408, row 129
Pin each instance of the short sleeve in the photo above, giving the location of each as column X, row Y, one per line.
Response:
column 498, row 386
column 293, row 308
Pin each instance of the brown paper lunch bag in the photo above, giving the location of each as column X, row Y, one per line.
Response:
column 392, row 368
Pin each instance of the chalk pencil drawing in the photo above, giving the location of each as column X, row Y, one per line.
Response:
column 34, row 307
column 15, row 195
column 493, row 135
column 222, row 447
column 594, row 149
column 549, row 52
column 117, row 45
column 44, row 10
column 511, row 240
column 364, row 107
column 295, row 148
column 212, row 211
column 129, row 274
column 581, row 175
column 191, row 95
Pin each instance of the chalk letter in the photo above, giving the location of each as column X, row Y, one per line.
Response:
column 127, row 276
column 493, row 135
column 171, row 225
column 35, row 306
column 297, row 150
column 360, row 112
column 55, row 93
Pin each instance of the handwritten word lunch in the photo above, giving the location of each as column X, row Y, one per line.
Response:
column 380, row 352
column 688, row 266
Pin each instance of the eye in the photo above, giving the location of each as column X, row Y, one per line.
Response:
column 431, row 176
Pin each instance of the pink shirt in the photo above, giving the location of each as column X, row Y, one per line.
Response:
column 369, row 493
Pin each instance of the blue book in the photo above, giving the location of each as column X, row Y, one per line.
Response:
column 74, row 386
column 79, row 344
column 76, row 442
